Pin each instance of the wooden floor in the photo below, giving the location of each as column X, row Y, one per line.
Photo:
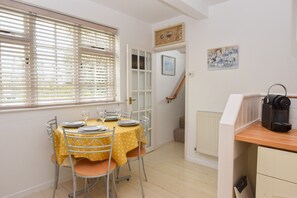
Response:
column 169, row 176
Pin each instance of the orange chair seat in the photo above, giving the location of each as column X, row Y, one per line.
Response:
column 134, row 152
column 89, row 168
column 53, row 158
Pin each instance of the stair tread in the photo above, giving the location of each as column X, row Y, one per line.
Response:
column 179, row 135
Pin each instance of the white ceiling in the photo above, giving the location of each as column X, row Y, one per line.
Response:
column 153, row 11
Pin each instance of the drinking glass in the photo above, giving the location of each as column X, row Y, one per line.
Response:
column 98, row 110
column 118, row 113
column 102, row 116
column 85, row 115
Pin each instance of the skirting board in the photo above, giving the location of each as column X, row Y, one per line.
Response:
column 204, row 162
column 36, row 188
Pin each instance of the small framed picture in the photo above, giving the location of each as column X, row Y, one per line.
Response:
column 168, row 65
column 223, row 58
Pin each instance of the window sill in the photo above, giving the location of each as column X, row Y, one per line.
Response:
column 58, row 107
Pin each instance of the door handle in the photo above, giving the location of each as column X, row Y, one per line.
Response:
column 131, row 99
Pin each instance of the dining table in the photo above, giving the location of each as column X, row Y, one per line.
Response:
column 125, row 140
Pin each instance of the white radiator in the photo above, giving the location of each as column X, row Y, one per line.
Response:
column 207, row 132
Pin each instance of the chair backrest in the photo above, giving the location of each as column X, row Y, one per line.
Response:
column 51, row 126
column 126, row 115
column 111, row 113
column 144, row 123
column 88, row 143
column 120, row 114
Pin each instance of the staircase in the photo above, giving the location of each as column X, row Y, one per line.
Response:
column 179, row 133
column 177, row 89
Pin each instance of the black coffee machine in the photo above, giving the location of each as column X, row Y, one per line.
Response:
column 275, row 111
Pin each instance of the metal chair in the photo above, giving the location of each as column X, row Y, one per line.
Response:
column 126, row 115
column 51, row 126
column 139, row 152
column 90, row 143
column 119, row 114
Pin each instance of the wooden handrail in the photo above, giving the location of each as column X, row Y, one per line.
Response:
column 177, row 90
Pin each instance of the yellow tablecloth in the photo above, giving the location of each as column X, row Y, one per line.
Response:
column 125, row 139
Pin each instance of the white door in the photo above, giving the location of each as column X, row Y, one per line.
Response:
column 139, row 87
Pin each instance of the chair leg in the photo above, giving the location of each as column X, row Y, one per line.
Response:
column 114, row 186
column 85, row 188
column 54, row 193
column 107, row 186
column 118, row 171
column 140, row 179
column 74, row 187
column 128, row 162
column 143, row 169
column 56, row 175
column 56, row 179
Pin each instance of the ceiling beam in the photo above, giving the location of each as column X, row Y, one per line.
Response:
column 191, row 8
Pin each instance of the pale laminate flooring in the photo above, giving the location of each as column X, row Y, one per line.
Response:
column 169, row 176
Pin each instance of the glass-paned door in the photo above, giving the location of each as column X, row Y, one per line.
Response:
column 139, row 65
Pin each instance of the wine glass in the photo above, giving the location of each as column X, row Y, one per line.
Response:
column 98, row 110
column 85, row 115
column 118, row 113
column 102, row 116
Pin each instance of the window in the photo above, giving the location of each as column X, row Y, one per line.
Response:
column 46, row 61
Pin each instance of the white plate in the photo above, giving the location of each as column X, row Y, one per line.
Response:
column 111, row 118
column 92, row 128
column 73, row 124
column 128, row 122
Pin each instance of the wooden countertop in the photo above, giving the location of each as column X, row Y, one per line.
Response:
column 257, row 134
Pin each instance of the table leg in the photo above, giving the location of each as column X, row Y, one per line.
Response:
column 122, row 178
column 78, row 192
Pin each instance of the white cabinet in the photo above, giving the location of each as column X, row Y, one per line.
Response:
column 276, row 173
column 271, row 187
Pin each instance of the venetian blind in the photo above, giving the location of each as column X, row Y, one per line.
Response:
column 45, row 61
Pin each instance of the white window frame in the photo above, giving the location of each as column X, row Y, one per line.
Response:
column 32, row 92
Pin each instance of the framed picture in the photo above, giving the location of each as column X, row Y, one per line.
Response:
column 168, row 65
column 170, row 35
column 222, row 58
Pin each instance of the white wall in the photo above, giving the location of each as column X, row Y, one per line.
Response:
column 25, row 151
column 167, row 114
column 265, row 32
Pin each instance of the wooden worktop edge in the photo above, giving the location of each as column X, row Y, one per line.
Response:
column 257, row 134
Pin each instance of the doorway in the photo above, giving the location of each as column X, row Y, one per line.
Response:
column 168, row 114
